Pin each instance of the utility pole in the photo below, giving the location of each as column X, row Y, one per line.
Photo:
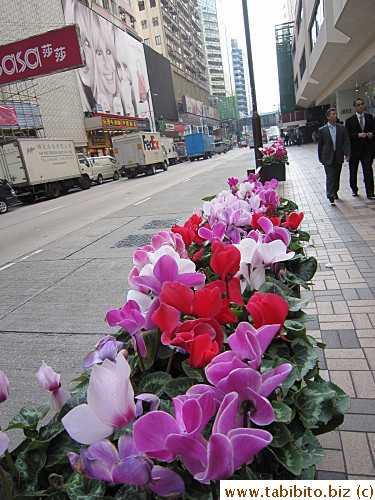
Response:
column 257, row 128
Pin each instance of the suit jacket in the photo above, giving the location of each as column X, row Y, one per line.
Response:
column 359, row 145
column 325, row 144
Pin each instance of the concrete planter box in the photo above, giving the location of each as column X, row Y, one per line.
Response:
column 274, row 171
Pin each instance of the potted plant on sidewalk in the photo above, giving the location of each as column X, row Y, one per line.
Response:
column 274, row 160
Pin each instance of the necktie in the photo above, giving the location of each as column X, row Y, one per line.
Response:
column 361, row 123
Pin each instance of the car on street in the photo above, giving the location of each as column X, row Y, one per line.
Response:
column 7, row 196
column 220, row 147
column 243, row 144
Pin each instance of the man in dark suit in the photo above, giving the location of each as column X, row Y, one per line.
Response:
column 333, row 144
column 361, row 128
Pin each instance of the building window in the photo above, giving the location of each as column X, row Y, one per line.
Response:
column 106, row 4
column 122, row 14
column 146, row 41
column 141, row 5
column 144, row 25
column 317, row 21
column 152, row 3
column 114, row 7
column 155, row 21
column 296, row 85
column 158, row 39
column 299, row 16
column 302, row 64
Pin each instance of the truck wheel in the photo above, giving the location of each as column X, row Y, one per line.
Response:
column 99, row 180
column 85, row 182
column 3, row 206
column 116, row 176
column 151, row 170
column 132, row 176
column 165, row 166
column 225, row 151
column 53, row 191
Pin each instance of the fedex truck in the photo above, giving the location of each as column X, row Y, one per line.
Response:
column 140, row 153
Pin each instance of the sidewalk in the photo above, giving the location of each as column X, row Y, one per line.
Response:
column 342, row 303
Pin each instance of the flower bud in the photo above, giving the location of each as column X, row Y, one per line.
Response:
column 4, row 387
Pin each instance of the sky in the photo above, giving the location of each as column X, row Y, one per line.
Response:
column 263, row 16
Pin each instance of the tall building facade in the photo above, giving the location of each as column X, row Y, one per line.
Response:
column 211, row 37
column 172, row 28
column 334, row 54
column 239, row 77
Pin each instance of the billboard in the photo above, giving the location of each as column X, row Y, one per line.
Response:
column 228, row 108
column 114, row 79
column 51, row 52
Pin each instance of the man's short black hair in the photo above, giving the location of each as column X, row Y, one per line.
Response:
column 358, row 99
column 329, row 110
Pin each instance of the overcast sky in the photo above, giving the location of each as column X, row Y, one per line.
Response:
column 263, row 15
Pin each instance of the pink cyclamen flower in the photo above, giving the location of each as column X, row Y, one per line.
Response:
column 107, row 348
column 50, row 380
column 110, row 403
column 4, row 387
column 4, row 443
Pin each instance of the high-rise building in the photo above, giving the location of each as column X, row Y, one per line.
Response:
column 284, row 39
column 210, row 30
column 172, row 28
column 239, row 77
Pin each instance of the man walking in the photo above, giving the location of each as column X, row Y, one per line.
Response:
column 361, row 128
column 333, row 144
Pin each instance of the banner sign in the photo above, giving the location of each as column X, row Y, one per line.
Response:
column 8, row 115
column 51, row 52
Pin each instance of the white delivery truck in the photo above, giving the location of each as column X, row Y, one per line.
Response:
column 139, row 153
column 171, row 149
column 41, row 167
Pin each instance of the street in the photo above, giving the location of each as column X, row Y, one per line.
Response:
column 64, row 263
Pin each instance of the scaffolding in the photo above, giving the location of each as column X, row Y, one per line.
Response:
column 22, row 99
column 284, row 40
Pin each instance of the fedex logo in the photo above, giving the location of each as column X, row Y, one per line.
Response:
column 151, row 144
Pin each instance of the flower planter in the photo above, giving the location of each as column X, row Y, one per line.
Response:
column 274, row 171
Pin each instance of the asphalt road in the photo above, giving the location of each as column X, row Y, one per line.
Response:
column 64, row 263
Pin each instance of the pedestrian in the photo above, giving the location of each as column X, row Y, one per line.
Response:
column 361, row 128
column 333, row 144
column 286, row 139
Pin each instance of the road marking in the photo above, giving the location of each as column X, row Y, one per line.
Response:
column 52, row 209
column 142, row 201
column 30, row 254
column 8, row 265
column 186, row 180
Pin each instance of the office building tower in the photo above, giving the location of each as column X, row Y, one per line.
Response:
column 239, row 77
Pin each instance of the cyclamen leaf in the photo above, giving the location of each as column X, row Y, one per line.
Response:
column 154, row 383
column 52, row 429
column 130, row 492
column 28, row 418
column 29, row 464
column 58, row 449
column 310, row 449
column 315, row 404
column 289, row 457
column 280, row 434
column 81, row 488
column 178, row 386
column 304, row 358
column 283, row 413
column 192, row 372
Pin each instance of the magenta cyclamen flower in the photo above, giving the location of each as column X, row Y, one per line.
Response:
column 110, row 403
column 102, row 461
column 106, row 348
column 50, row 380
column 4, row 387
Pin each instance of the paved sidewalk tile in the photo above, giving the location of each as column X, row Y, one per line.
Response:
column 342, row 299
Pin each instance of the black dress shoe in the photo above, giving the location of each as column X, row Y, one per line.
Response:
column 354, row 193
column 372, row 197
column 331, row 201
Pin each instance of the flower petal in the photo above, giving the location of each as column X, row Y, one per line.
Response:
column 166, row 483
column 220, row 460
column 4, row 442
column 84, row 426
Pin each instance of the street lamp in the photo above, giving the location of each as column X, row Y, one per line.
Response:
column 148, row 95
column 257, row 129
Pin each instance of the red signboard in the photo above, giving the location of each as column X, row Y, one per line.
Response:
column 8, row 115
column 54, row 51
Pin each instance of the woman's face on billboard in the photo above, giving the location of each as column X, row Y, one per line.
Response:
column 105, row 63
column 87, row 72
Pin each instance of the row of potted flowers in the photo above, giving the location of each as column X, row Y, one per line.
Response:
column 209, row 375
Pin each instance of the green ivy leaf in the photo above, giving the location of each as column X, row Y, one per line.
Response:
column 81, row 488
column 155, row 383
column 304, row 358
column 29, row 464
column 28, row 418
column 283, row 413
column 289, row 457
column 178, row 386
column 281, row 435
column 310, row 449
column 192, row 372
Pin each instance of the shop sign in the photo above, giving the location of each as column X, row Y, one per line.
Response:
column 98, row 141
column 119, row 123
column 51, row 52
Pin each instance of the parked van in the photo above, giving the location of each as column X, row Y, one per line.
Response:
column 7, row 196
column 220, row 147
column 103, row 168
